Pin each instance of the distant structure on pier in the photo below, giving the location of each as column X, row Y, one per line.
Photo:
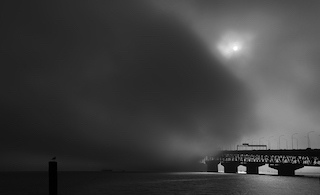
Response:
column 246, row 146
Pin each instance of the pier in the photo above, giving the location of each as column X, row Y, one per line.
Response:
column 285, row 161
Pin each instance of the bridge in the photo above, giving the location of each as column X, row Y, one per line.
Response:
column 285, row 161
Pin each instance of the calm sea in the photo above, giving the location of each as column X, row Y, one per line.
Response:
column 91, row 183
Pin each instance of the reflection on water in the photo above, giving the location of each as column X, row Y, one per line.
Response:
column 158, row 183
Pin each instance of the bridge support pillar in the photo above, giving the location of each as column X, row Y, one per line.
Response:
column 253, row 167
column 212, row 165
column 230, row 167
column 286, row 169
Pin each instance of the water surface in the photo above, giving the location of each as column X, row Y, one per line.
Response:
column 70, row 183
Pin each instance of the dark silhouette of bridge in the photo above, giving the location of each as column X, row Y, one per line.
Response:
column 285, row 161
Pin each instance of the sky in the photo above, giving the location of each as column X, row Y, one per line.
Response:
column 155, row 85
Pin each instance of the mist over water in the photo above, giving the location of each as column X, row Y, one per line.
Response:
column 112, row 85
column 154, row 85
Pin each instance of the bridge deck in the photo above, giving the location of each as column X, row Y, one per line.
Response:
column 301, row 152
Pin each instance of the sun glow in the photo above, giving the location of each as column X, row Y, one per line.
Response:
column 230, row 48
column 235, row 48
column 233, row 45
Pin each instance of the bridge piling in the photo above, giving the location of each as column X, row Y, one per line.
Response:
column 231, row 166
column 212, row 165
column 286, row 169
column 253, row 167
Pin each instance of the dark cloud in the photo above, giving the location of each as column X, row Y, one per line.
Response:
column 111, row 85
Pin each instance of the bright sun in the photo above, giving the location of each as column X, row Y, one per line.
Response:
column 233, row 45
column 235, row 48
column 230, row 48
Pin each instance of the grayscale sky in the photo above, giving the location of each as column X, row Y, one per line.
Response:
column 155, row 84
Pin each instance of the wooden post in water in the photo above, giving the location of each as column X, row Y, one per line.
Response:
column 53, row 178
